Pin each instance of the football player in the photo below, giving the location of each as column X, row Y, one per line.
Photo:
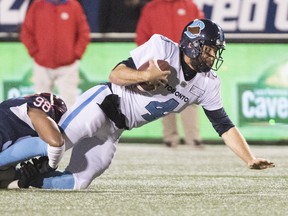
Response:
column 24, row 118
column 95, row 123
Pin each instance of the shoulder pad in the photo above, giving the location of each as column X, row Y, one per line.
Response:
column 39, row 102
column 166, row 39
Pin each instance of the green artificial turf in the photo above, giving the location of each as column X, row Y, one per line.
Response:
column 150, row 179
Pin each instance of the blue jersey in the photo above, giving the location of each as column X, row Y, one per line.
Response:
column 15, row 123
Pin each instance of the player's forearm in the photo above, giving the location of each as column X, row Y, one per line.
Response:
column 237, row 143
column 46, row 128
column 50, row 133
column 54, row 138
column 124, row 76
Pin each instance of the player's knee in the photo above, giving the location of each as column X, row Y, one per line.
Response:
column 83, row 180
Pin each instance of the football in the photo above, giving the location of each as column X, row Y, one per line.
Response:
column 148, row 86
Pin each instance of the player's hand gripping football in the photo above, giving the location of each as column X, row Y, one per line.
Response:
column 157, row 74
column 260, row 163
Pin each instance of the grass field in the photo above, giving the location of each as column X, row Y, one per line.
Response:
column 153, row 180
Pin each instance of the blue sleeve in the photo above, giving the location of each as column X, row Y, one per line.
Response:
column 220, row 120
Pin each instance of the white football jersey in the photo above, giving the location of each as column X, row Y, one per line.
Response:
column 143, row 107
column 94, row 136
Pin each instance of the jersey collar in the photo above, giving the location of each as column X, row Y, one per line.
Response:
column 189, row 73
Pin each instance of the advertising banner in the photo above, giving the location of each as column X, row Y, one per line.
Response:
column 239, row 18
column 12, row 14
column 255, row 91
column 248, row 16
column 254, row 87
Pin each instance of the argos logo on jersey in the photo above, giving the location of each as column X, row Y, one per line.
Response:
column 248, row 16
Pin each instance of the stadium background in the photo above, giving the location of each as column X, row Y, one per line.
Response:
column 256, row 62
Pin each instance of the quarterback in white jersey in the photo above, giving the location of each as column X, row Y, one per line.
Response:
column 177, row 93
column 95, row 123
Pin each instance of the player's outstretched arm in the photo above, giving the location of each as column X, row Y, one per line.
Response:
column 234, row 139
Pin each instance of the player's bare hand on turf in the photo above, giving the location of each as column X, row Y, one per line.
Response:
column 260, row 163
column 155, row 75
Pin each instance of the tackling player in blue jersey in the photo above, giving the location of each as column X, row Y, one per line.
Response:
column 24, row 117
column 95, row 123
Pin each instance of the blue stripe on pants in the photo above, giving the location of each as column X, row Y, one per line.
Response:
column 81, row 107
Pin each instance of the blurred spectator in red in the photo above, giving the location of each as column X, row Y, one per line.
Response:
column 56, row 34
column 168, row 18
